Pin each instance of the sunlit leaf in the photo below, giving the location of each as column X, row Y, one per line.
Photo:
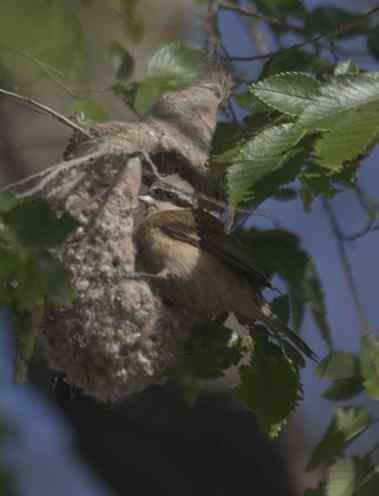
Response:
column 369, row 360
column 347, row 424
column 270, row 386
column 346, row 67
column 172, row 67
column 341, row 478
column 289, row 92
column 262, row 155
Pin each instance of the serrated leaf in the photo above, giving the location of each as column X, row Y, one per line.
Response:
column 338, row 365
column 346, row 67
column 369, row 361
column 270, row 386
column 35, row 223
column 355, row 133
column 342, row 94
column 172, row 67
column 122, row 61
column 177, row 63
column 270, row 186
column 344, row 389
column 341, row 478
column 289, row 92
column 208, row 353
column 347, row 424
column 265, row 153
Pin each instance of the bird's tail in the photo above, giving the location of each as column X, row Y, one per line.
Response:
column 281, row 330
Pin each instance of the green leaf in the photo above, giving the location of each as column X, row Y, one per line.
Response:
column 353, row 136
column 328, row 19
column 279, row 252
column 208, row 353
column 270, row 186
column 225, row 136
column 56, row 280
column 338, row 365
column 146, row 94
column 89, row 110
column 369, row 360
column 346, row 67
column 373, row 41
column 289, row 92
column 122, row 61
column 370, row 485
column 171, row 68
column 262, row 155
column 294, row 59
column 280, row 7
column 346, row 111
column 37, row 225
column 341, row 478
column 270, row 386
column 343, row 368
column 315, row 296
column 344, row 389
column 347, row 424
column 7, row 202
column 211, row 350
column 340, row 95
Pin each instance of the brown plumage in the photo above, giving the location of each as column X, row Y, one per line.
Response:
column 204, row 269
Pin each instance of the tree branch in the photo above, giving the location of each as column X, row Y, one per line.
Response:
column 43, row 109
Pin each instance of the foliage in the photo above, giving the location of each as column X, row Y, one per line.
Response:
column 30, row 276
column 305, row 121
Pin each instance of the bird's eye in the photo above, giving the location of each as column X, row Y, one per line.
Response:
column 170, row 195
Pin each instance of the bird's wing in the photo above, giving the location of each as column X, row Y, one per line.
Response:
column 205, row 231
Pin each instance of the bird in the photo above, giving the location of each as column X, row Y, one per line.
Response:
column 202, row 268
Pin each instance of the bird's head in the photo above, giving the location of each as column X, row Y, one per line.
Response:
column 165, row 197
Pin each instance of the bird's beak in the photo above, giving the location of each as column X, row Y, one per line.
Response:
column 146, row 200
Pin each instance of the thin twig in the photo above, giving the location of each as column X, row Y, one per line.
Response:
column 346, row 266
column 262, row 17
column 342, row 29
column 51, row 172
column 45, row 110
